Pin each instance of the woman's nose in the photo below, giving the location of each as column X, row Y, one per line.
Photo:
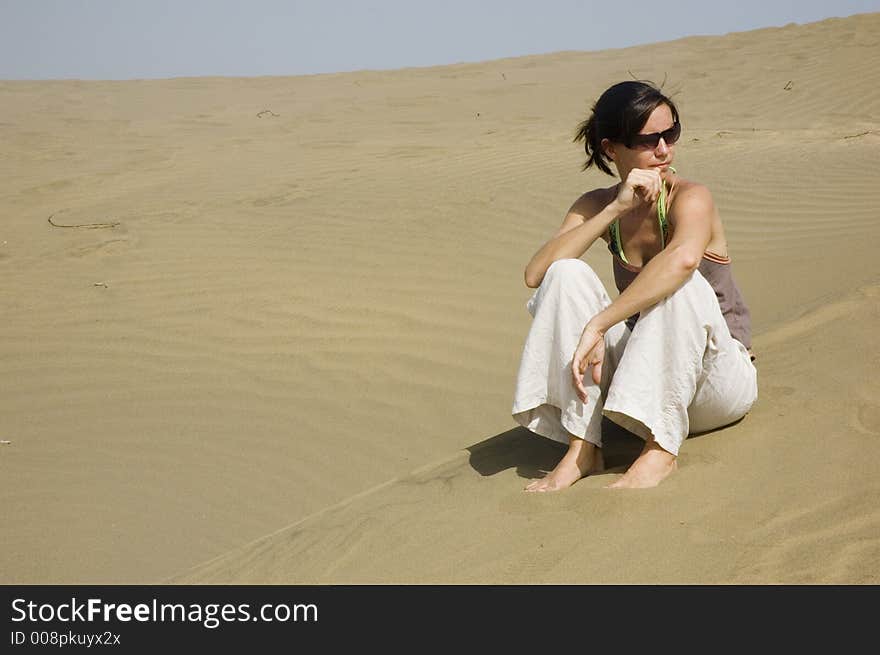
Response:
column 662, row 148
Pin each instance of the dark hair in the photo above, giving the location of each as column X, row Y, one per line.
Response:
column 618, row 115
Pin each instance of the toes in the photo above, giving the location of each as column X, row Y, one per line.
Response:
column 539, row 485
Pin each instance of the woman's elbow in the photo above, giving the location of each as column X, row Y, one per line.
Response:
column 690, row 263
column 531, row 279
column 687, row 262
column 533, row 275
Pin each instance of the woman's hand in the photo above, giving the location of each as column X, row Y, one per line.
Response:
column 589, row 352
column 641, row 185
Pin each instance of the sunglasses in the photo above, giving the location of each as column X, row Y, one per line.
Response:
column 651, row 141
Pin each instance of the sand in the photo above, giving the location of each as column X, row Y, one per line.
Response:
column 285, row 349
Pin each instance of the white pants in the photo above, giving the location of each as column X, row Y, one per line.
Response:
column 677, row 372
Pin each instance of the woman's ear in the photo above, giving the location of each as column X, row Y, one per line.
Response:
column 607, row 148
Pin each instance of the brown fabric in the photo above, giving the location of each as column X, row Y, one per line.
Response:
column 718, row 274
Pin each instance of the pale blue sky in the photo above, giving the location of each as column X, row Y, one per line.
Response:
column 124, row 39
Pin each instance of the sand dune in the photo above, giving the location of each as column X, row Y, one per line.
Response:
column 780, row 509
column 289, row 356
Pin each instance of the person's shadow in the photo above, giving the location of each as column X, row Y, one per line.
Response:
column 534, row 456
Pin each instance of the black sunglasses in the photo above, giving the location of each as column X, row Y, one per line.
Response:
column 651, row 141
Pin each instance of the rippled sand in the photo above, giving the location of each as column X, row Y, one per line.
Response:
column 281, row 346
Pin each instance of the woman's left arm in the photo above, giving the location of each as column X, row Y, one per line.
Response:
column 693, row 212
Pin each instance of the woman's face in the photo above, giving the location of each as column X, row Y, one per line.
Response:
column 645, row 156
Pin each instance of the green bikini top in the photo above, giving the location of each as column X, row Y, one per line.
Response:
column 615, row 245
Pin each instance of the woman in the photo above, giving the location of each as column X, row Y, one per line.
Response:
column 670, row 355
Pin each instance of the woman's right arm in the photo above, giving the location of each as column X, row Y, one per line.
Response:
column 585, row 222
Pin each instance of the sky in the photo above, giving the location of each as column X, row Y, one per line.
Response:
column 135, row 39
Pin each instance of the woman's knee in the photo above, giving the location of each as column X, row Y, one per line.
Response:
column 574, row 280
column 566, row 270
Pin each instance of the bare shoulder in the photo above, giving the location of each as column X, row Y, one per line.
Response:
column 592, row 202
column 585, row 208
column 689, row 197
column 692, row 211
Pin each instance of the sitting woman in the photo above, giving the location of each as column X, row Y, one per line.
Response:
column 671, row 354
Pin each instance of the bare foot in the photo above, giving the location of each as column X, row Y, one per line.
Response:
column 581, row 459
column 649, row 470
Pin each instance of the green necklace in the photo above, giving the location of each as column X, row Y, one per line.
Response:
column 661, row 218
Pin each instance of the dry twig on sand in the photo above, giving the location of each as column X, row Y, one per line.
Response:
column 266, row 112
column 90, row 226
